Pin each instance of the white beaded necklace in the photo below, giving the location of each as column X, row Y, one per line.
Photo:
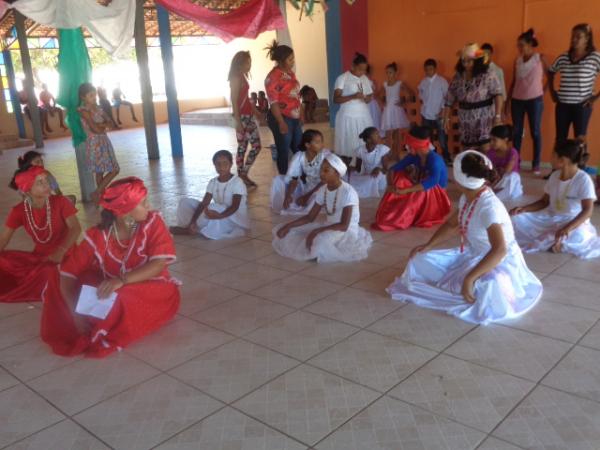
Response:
column 33, row 226
column 113, row 231
column 220, row 196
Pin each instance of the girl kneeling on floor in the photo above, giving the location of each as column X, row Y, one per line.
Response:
column 295, row 192
column 486, row 279
column 126, row 254
column 223, row 212
column 560, row 220
column 370, row 181
column 340, row 238
column 506, row 161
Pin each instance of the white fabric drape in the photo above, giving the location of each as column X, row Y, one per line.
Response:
column 111, row 26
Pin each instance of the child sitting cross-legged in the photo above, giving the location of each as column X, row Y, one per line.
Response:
column 223, row 211
column 340, row 238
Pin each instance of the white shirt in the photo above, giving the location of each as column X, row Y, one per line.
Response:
column 222, row 193
column 351, row 84
column 488, row 211
column 299, row 166
column 566, row 196
column 334, row 202
column 432, row 91
column 500, row 74
column 371, row 160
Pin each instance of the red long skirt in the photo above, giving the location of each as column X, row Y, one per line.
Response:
column 418, row 209
column 140, row 309
column 23, row 276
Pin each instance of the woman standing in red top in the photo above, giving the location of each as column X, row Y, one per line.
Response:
column 50, row 222
column 285, row 115
column 127, row 253
column 244, row 112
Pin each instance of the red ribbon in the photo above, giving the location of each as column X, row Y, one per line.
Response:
column 417, row 144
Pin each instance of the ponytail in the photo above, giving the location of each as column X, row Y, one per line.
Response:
column 575, row 150
column 278, row 53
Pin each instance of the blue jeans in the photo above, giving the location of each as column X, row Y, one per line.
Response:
column 571, row 113
column 438, row 126
column 533, row 108
column 285, row 142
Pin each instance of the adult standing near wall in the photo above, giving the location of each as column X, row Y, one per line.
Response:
column 526, row 95
column 244, row 113
column 478, row 93
column 578, row 68
column 285, row 114
column 353, row 92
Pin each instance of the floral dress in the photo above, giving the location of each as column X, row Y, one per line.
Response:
column 99, row 153
column 476, row 107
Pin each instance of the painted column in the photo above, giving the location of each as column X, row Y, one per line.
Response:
column 141, row 52
column 28, row 84
column 333, row 38
column 166, row 50
column 14, row 95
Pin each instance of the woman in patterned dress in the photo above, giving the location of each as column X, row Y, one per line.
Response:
column 100, row 156
column 478, row 93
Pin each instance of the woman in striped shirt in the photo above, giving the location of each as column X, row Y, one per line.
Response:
column 578, row 68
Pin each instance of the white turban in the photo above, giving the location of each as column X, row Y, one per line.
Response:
column 462, row 178
column 337, row 163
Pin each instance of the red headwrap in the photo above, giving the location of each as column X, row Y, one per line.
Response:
column 123, row 195
column 24, row 180
column 416, row 144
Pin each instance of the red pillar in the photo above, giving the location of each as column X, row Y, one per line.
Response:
column 354, row 30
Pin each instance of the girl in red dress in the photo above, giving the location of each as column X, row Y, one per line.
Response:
column 50, row 222
column 127, row 253
column 419, row 202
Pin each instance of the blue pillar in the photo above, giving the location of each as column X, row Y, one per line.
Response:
column 166, row 50
column 14, row 95
column 333, row 36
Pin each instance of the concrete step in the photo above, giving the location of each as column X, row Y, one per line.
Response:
column 212, row 117
column 11, row 141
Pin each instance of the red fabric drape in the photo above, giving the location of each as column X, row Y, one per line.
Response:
column 249, row 20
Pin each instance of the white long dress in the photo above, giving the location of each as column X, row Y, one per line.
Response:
column 535, row 231
column 329, row 246
column 375, row 109
column 434, row 279
column 364, row 183
column 353, row 116
column 233, row 226
column 510, row 189
column 393, row 117
column 299, row 168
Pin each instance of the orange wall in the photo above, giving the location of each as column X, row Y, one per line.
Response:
column 409, row 31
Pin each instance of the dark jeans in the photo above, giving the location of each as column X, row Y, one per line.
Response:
column 285, row 142
column 533, row 108
column 438, row 126
column 576, row 114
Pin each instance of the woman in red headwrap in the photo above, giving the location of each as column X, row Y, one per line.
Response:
column 419, row 202
column 50, row 222
column 126, row 254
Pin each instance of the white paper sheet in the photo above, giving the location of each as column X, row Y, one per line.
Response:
column 90, row 305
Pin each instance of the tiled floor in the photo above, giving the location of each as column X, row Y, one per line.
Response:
column 269, row 354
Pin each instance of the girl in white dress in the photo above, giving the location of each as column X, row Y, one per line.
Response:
column 486, row 279
column 340, row 238
column 353, row 92
column 223, row 212
column 371, row 180
column 374, row 106
column 394, row 118
column 294, row 193
column 560, row 220
column 505, row 158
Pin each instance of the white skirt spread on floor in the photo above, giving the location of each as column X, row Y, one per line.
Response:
column 278, row 189
column 510, row 189
column 367, row 185
column 329, row 246
column 434, row 279
column 233, row 226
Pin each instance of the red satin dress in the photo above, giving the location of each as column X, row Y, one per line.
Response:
column 418, row 209
column 23, row 275
column 140, row 308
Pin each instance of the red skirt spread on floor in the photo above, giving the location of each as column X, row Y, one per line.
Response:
column 23, row 274
column 418, row 209
column 140, row 308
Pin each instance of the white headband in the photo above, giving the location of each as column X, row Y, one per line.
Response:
column 337, row 163
column 462, row 178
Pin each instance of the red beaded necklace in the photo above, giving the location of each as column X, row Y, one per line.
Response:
column 464, row 227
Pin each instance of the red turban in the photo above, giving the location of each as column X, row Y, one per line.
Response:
column 24, row 180
column 123, row 195
column 417, row 144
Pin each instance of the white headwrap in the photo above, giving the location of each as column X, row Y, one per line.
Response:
column 462, row 178
column 337, row 163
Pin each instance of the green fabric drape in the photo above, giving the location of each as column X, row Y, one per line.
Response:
column 74, row 68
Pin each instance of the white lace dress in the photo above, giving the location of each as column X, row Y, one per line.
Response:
column 367, row 185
